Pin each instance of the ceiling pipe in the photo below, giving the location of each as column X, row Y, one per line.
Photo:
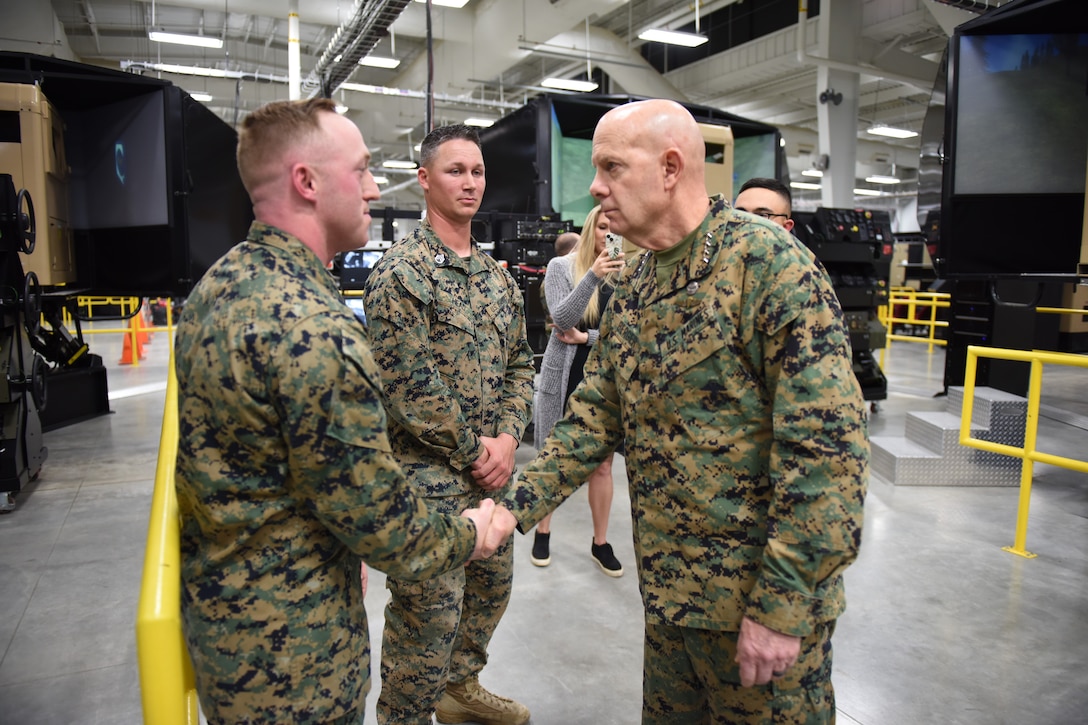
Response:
column 92, row 23
column 294, row 63
column 441, row 97
column 219, row 74
column 358, row 87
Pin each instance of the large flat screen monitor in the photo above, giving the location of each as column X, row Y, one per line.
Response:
column 1016, row 141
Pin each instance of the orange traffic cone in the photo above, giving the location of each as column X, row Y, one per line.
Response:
column 127, row 357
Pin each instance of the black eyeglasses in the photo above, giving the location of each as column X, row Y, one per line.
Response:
column 765, row 213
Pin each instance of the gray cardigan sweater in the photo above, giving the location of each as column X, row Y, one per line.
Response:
column 566, row 303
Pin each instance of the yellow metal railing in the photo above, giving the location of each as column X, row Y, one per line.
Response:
column 914, row 302
column 128, row 307
column 1062, row 310
column 1028, row 453
column 167, row 684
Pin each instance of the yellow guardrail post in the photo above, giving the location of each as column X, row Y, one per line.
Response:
column 1031, row 432
column 1028, row 453
column 167, row 684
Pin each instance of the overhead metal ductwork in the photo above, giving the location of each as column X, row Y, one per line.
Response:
column 974, row 6
column 351, row 42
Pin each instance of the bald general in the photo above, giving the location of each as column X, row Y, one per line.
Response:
column 650, row 172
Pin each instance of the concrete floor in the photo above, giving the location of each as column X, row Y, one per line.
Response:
column 942, row 626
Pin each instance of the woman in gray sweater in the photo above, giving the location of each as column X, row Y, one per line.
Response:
column 576, row 289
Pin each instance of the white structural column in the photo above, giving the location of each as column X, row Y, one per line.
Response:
column 840, row 28
column 294, row 63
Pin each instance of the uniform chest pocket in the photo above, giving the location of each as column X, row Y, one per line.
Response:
column 452, row 316
column 699, row 337
column 499, row 312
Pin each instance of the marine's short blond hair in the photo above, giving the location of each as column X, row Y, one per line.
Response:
column 272, row 128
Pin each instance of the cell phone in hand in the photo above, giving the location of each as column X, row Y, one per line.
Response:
column 613, row 245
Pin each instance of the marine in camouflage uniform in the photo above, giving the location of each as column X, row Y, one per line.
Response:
column 448, row 334
column 724, row 366
column 285, row 479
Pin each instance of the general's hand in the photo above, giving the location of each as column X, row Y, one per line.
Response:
column 363, row 575
column 764, row 654
column 503, row 524
column 494, row 470
column 482, row 518
column 603, row 265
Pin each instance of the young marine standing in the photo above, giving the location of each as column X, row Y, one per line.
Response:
column 447, row 326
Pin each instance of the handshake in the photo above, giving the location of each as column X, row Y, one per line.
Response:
column 493, row 525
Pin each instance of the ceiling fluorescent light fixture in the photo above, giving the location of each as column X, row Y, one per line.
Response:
column 814, row 173
column 377, row 61
column 804, row 185
column 567, row 84
column 881, row 129
column 201, row 41
column 202, row 97
column 882, row 179
column 381, row 179
column 398, row 164
column 447, row 3
column 673, row 37
column 480, row 122
column 868, row 192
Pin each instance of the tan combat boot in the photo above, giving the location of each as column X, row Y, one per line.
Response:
column 469, row 702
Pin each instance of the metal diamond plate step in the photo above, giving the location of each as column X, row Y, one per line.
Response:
column 930, row 454
column 937, row 431
column 890, row 452
column 990, row 403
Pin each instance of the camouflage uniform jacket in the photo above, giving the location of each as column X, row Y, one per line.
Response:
column 283, row 471
column 449, row 337
column 732, row 387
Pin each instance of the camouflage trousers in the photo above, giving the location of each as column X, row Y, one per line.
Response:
column 439, row 629
column 689, row 676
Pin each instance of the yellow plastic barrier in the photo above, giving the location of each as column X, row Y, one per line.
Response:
column 1028, row 454
column 167, row 685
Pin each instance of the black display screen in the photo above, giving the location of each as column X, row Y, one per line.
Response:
column 117, row 156
column 1022, row 110
column 1017, row 153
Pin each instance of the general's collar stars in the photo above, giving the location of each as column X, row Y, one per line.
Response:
column 440, row 259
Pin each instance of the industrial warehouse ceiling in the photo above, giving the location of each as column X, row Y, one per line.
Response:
column 489, row 56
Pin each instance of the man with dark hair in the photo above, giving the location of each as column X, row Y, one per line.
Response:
column 447, row 326
column 285, row 479
column 768, row 198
